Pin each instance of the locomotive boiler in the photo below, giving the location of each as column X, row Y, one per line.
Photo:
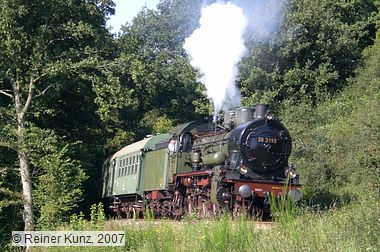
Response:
column 205, row 167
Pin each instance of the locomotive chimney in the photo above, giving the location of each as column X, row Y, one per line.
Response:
column 260, row 111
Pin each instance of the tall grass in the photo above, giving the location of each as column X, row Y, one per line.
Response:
column 355, row 227
column 283, row 208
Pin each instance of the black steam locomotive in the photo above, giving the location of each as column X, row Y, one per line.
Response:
column 204, row 167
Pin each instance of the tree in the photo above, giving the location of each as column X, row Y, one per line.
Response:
column 43, row 45
column 157, row 68
column 312, row 55
column 336, row 145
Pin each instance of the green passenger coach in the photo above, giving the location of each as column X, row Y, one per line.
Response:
column 137, row 167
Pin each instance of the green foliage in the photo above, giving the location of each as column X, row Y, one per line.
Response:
column 58, row 178
column 120, row 138
column 317, row 48
column 10, row 197
column 97, row 216
column 163, row 124
column 156, row 122
column 58, row 77
column 336, row 143
column 96, row 222
column 283, row 208
column 10, row 208
column 78, row 222
column 157, row 70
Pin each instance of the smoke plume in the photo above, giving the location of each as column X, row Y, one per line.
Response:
column 218, row 45
column 265, row 17
column 215, row 50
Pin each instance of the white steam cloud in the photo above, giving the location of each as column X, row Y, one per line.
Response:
column 216, row 48
column 265, row 17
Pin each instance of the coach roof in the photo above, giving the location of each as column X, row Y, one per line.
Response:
column 147, row 143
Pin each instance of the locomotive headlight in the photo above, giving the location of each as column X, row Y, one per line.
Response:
column 245, row 191
column 295, row 195
column 243, row 169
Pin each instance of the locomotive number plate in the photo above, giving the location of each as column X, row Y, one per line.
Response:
column 270, row 140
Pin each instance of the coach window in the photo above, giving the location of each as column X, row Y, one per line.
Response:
column 137, row 160
column 129, row 165
column 135, row 168
column 133, row 165
column 122, row 168
column 137, row 163
column 126, row 166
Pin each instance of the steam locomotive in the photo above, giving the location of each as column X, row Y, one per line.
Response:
column 204, row 167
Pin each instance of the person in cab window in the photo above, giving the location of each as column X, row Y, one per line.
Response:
column 173, row 145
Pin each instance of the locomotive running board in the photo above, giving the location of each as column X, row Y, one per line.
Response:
column 261, row 188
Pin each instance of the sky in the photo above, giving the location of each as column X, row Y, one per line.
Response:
column 125, row 10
